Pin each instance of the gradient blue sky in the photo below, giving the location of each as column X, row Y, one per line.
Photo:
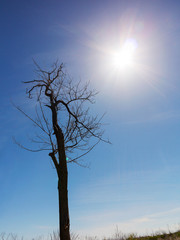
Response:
column 134, row 183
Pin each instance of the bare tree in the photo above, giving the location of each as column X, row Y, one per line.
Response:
column 66, row 125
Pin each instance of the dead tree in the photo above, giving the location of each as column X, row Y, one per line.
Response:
column 65, row 124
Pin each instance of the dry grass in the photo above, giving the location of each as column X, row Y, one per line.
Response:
column 155, row 236
column 117, row 236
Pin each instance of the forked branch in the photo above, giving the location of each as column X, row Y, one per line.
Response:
column 68, row 100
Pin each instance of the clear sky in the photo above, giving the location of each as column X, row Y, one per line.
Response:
column 133, row 184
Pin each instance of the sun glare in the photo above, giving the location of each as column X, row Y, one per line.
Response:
column 124, row 57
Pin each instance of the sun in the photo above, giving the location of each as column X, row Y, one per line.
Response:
column 123, row 58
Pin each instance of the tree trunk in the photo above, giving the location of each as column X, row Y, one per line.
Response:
column 63, row 202
column 62, row 176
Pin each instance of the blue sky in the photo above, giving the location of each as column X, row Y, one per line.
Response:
column 132, row 184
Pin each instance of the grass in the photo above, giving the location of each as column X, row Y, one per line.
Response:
column 154, row 236
column 117, row 236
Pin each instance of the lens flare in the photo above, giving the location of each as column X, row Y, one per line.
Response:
column 124, row 57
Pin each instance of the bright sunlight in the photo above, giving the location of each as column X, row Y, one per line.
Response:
column 124, row 57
